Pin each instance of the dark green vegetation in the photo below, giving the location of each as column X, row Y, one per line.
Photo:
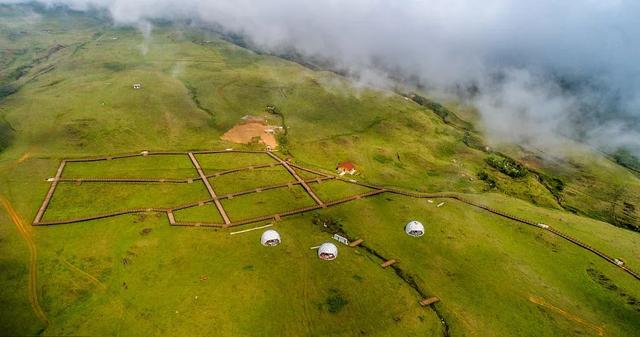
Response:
column 73, row 97
column 626, row 158
column 506, row 165
column 447, row 115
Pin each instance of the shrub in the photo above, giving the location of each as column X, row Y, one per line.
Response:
column 554, row 185
column 6, row 90
column 473, row 141
column 6, row 135
column 484, row 176
column 506, row 165
column 335, row 301
column 380, row 158
column 328, row 224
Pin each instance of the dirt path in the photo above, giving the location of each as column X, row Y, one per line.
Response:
column 85, row 274
column 33, row 256
column 24, row 157
column 541, row 302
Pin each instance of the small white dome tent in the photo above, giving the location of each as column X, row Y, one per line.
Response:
column 414, row 228
column 328, row 251
column 270, row 238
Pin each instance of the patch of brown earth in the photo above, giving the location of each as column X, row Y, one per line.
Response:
column 244, row 133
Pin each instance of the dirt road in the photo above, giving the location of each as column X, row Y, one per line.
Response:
column 25, row 233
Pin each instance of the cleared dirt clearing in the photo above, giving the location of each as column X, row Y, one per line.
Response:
column 244, row 133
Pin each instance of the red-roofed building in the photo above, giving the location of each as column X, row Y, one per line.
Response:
column 346, row 167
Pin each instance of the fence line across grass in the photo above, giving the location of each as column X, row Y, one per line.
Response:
column 376, row 190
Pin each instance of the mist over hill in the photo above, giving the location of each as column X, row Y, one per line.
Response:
column 535, row 70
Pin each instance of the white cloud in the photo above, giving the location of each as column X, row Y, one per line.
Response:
column 450, row 42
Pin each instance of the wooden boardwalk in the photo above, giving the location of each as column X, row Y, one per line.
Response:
column 217, row 202
column 295, row 175
column 49, row 195
column 375, row 190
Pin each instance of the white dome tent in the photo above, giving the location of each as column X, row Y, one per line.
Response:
column 328, row 251
column 414, row 228
column 270, row 238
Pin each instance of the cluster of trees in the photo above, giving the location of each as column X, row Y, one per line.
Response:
column 447, row 115
column 484, row 176
column 506, row 165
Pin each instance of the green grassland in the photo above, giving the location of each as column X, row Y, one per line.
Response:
column 245, row 283
column 266, row 203
column 212, row 163
column 250, row 179
column 86, row 199
column 135, row 275
column 489, row 267
column 336, row 189
column 206, row 213
column 594, row 185
column 306, row 175
column 165, row 166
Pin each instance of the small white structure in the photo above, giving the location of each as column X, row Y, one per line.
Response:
column 541, row 225
column 341, row 239
column 618, row 262
column 137, row 85
column 328, row 251
column 414, row 228
column 270, row 238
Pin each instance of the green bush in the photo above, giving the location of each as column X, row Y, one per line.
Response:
column 484, row 176
column 554, row 185
column 20, row 71
column 380, row 158
column 335, row 301
column 6, row 90
column 473, row 141
column 447, row 115
column 506, row 165
column 6, row 135
column 328, row 224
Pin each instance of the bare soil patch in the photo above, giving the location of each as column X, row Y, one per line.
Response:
column 247, row 131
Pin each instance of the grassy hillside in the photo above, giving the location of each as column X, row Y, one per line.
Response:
column 137, row 276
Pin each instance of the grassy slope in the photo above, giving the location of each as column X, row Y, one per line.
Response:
column 595, row 186
column 174, row 167
column 85, row 106
column 246, row 284
column 485, row 269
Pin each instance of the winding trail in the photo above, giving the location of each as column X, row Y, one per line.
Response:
column 33, row 256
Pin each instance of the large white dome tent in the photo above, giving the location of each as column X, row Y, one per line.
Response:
column 328, row 251
column 270, row 238
column 414, row 228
